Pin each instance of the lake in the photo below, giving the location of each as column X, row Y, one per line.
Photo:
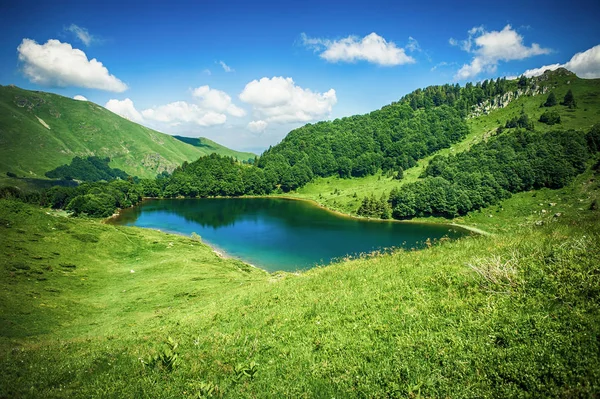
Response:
column 279, row 234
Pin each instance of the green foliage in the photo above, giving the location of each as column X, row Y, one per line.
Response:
column 166, row 358
column 242, row 370
column 207, row 390
column 357, row 146
column 87, row 169
column 523, row 81
column 491, row 171
column 522, row 121
column 216, row 175
column 516, row 314
column 373, row 207
column 569, row 100
column 593, row 138
column 551, row 100
column 400, row 173
column 550, row 117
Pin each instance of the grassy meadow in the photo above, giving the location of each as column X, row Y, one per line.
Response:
column 88, row 310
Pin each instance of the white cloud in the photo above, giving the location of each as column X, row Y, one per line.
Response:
column 124, row 108
column 585, row 65
column 413, row 44
column 59, row 64
column 226, row 67
column 82, row 34
column 372, row 48
column 80, row 98
column 492, row 47
column 216, row 100
column 279, row 100
column 207, row 71
column 183, row 112
column 257, row 126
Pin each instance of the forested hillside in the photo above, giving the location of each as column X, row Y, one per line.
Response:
column 393, row 138
column 421, row 123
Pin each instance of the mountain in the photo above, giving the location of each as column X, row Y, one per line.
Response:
column 40, row 131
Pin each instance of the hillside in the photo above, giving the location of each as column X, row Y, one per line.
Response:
column 345, row 195
column 40, row 131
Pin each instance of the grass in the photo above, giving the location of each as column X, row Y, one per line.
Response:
column 513, row 314
column 70, row 128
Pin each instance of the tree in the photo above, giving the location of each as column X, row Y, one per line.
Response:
column 551, row 100
column 400, row 174
column 569, row 100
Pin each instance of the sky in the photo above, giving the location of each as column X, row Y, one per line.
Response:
column 245, row 73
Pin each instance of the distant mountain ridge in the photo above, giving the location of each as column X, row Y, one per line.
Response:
column 40, row 131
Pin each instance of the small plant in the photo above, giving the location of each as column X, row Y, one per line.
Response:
column 196, row 236
column 167, row 358
column 241, row 371
column 206, row 390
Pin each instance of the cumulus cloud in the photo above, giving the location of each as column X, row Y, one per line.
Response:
column 58, row 64
column 226, row 67
column 216, row 100
column 371, row 48
column 211, row 109
column 257, row 126
column 124, row 108
column 182, row 112
column 280, row 100
column 82, row 34
column 80, row 98
column 585, row 64
column 492, row 47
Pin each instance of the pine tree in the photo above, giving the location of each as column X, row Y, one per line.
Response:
column 551, row 101
column 569, row 100
column 400, row 174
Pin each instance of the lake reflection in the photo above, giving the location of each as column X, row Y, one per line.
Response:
column 278, row 234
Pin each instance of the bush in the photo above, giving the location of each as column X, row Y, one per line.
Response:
column 550, row 118
column 95, row 205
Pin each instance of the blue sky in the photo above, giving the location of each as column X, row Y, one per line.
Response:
column 246, row 73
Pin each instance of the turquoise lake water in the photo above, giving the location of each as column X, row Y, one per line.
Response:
column 279, row 234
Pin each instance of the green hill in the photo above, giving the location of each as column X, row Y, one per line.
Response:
column 345, row 195
column 40, row 131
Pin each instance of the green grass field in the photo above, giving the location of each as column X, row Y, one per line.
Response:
column 513, row 314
